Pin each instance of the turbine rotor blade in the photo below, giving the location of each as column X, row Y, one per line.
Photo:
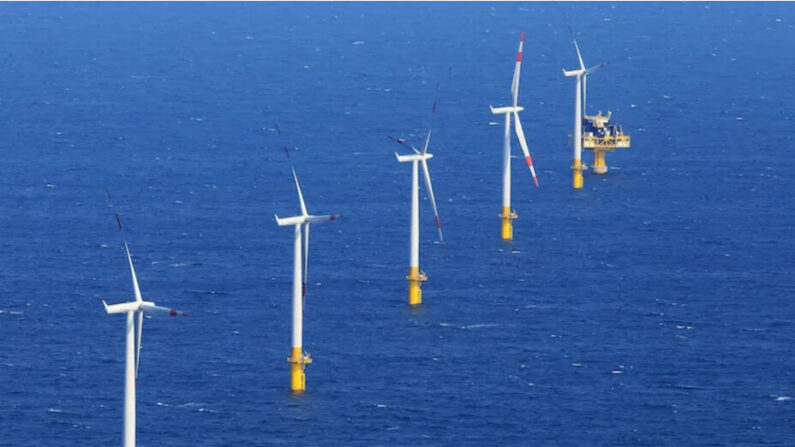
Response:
column 594, row 68
column 427, row 141
column 322, row 218
column 151, row 308
column 579, row 56
column 403, row 143
column 300, row 195
column 427, row 176
column 136, row 288
column 435, row 95
column 396, row 140
column 516, row 71
column 523, row 143
column 297, row 185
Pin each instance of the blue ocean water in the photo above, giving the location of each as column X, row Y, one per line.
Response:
column 654, row 307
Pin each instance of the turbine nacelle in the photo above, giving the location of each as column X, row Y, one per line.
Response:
column 572, row 73
column 508, row 109
column 144, row 306
column 306, row 219
column 413, row 157
column 583, row 71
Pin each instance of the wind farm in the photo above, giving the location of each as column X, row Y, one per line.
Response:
column 629, row 311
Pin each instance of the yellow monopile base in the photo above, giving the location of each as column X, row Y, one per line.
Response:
column 507, row 217
column 415, row 278
column 599, row 166
column 298, row 361
column 578, row 167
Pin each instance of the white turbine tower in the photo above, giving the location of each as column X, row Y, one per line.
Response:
column 415, row 276
column 133, row 309
column 298, row 358
column 579, row 105
column 507, row 215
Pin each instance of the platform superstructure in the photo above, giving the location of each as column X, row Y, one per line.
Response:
column 599, row 137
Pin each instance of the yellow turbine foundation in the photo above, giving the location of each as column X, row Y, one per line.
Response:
column 578, row 167
column 599, row 166
column 298, row 361
column 507, row 217
column 415, row 278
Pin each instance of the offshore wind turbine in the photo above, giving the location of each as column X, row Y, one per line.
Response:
column 507, row 214
column 415, row 276
column 579, row 104
column 133, row 310
column 298, row 358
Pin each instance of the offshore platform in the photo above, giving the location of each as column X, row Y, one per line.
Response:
column 600, row 137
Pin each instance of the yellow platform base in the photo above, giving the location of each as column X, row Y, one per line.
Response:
column 415, row 278
column 599, row 165
column 298, row 361
column 507, row 217
column 577, row 168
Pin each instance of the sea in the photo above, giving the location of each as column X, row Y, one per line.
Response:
column 654, row 307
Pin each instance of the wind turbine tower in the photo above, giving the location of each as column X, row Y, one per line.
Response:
column 298, row 358
column 416, row 277
column 507, row 215
column 134, row 310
